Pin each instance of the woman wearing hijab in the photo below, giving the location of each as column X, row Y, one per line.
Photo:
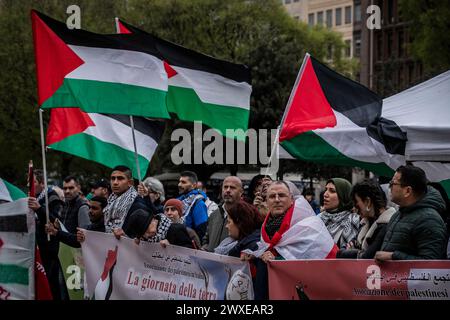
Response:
column 341, row 222
column 370, row 204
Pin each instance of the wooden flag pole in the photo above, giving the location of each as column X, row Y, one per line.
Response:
column 44, row 165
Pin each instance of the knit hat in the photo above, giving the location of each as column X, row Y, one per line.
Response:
column 175, row 203
column 138, row 223
column 343, row 189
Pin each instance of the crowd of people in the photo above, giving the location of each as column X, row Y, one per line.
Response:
column 272, row 220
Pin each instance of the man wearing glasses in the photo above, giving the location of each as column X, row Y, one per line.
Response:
column 416, row 231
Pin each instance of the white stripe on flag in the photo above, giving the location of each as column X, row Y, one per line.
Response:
column 115, row 132
column 120, row 66
column 213, row 88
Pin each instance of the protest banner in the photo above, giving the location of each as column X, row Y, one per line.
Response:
column 359, row 280
column 121, row 269
column 17, row 242
column 73, row 270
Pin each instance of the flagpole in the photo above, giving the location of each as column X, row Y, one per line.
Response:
column 135, row 149
column 44, row 165
column 288, row 106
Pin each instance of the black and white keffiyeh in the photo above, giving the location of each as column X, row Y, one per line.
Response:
column 163, row 226
column 343, row 226
column 117, row 208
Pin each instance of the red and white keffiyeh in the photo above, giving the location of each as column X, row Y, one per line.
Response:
column 302, row 235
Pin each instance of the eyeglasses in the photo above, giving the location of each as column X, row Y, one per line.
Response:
column 392, row 183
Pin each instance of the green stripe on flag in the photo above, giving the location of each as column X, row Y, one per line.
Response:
column 10, row 273
column 14, row 192
column 186, row 104
column 108, row 154
column 309, row 146
column 109, row 97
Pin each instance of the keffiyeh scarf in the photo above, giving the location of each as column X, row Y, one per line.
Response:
column 163, row 227
column 343, row 226
column 117, row 208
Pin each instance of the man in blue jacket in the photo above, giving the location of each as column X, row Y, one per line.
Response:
column 195, row 212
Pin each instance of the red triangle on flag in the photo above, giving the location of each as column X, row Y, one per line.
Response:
column 309, row 109
column 170, row 71
column 54, row 59
column 122, row 28
column 65, row 122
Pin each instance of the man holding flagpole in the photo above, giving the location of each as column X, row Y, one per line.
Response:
column 48, row 249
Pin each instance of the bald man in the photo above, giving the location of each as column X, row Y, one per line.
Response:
column 231, row 193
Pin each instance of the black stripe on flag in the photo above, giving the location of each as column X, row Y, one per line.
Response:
column 78, row 37
column 152, row 128
column 177, row 55
column 359, row 104
column 13, row 223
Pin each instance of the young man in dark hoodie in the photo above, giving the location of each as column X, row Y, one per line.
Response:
column 96, row 206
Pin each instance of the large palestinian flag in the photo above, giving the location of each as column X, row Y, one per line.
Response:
column 9, row 192
column 334, row 120
column 106, row 139
column 202, row 88
column 116, row 74
column 17, row 242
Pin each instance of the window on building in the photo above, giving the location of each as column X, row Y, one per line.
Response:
column 311, row 19
column 296, row 0
column 348, row 48
column 330, row 52
column 338, row 18
column 329, row 18
column 357, row 46
column 357, row 13
column 320, row 17
column 401, row 44
column 287, row 1
column 390, row 44
column 348, row 15
column 390, row 11
column 379, row 44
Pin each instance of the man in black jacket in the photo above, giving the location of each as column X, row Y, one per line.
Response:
column 48, row 249
column 416, row 231
column 76, row 210
column 96, row 206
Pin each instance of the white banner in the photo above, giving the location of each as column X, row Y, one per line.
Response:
column 121, row 269
column 17, row 242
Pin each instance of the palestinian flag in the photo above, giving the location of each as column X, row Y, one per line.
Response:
column 9, row 192
column 116, row 74
column 202, row 88
column 333, row 120
column 16, row 251
column 106, row 139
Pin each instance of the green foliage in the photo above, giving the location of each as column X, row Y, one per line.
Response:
column 258, row 33
column 430, row 30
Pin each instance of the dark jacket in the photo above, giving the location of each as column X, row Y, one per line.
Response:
column 248, row 242
column 216, row 231
column 71, row 238
column 48, row 249
column 138, row 204
column 418, row 232
column 75, row 214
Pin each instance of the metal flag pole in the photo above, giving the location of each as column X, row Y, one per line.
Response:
column 288, row 105
column 135, row 149
column 44, row 165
